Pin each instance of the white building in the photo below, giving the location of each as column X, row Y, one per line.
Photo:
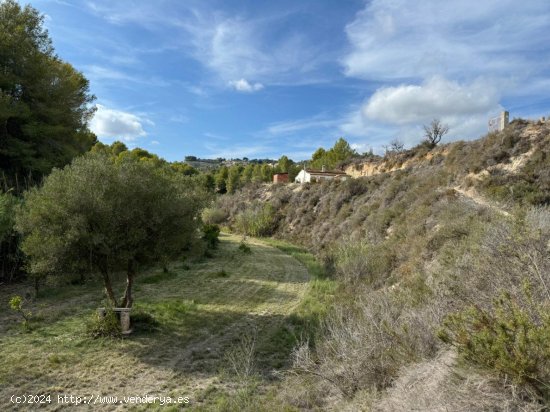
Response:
column 497, row 124
column 312, row 175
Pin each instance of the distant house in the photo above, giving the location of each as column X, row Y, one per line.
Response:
column 280, row 178
column 497, row 124
column 312, row 175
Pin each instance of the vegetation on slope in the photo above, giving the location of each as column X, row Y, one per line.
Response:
column 429, row 270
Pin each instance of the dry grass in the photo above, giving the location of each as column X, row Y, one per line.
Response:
column 438, row 385
column 189, row 320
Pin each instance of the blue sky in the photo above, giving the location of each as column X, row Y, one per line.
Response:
column 266, row 78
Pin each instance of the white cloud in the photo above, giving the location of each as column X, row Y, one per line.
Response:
column 400, row 111
column 236, row 48
column 155, row 142
column 448, row 60
column 101, row 74
column 110, row 123
column 231, row 45
column 402, row 39
column 243, row 85
column 299, row 125
column 436, row 97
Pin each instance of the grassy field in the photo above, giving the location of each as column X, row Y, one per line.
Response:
column 190, row 321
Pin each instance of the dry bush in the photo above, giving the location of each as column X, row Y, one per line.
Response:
column 241, row 359
column 365, row 344
column 510, row 254
column 438, row 385
column 499, row 297
column 213, row 215
column 358, row 261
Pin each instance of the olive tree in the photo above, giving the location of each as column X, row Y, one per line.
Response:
column 103, row 214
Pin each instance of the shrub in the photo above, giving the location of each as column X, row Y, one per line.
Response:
column 243, row 247
column 241, row 359
column 213, row 215
column 107, row 326
column 366, row 343
column 257, row 220
column 511, row 340
column 211, row 235
column 17, row 304
column 360, row 261
column 440, row 384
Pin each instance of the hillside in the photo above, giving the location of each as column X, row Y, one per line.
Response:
column 504, row 169
column 433, row 250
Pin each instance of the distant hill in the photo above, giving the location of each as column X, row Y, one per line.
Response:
column 211, row 164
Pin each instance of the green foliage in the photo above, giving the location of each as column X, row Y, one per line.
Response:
column 44, row 101
column 233, row 178
column 107, row 326
column 10, row 260
column 211, row 235
column 529, row 186
column 244, row 248
column 213, row 215
column 7, row 214
column 257, row 220
column 17, row 304
column 221, row 179
column 102, row 215
column 340, row 152
column 284, row 164
column 511, row 339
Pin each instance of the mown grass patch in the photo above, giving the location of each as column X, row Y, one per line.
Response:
column 184, row 322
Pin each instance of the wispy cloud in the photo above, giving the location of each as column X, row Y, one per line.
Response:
column 179, row 118
column 451, row 60
column 466, row 39
column 232, row 46
column 102, row 74
column 317, row 122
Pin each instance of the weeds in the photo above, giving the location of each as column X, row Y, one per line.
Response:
column 18, row 305
column 241, row 359
column 244, row 248
column 104, row 326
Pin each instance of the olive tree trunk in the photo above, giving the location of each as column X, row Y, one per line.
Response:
column 127, row 300
column 108, row 287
